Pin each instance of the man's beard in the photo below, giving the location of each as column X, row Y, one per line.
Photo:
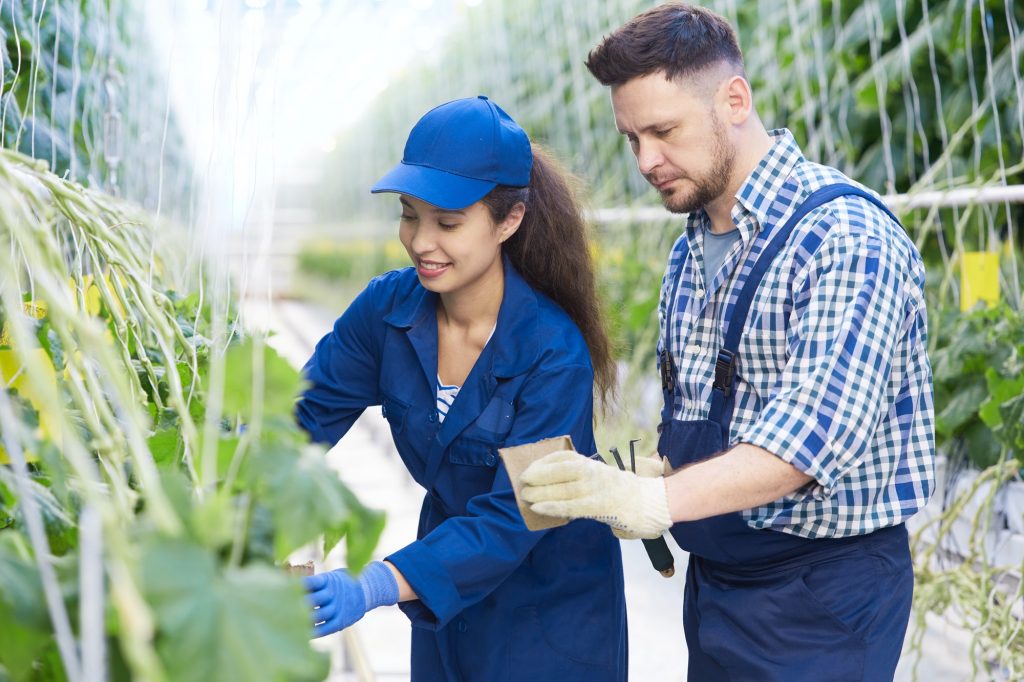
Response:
column 707, row 186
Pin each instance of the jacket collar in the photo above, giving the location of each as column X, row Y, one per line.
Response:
column 515, row 340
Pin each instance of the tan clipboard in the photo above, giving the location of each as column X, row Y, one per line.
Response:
column 516, row 459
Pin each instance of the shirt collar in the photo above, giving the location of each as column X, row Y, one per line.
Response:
column 762, row 186
column 755, row 195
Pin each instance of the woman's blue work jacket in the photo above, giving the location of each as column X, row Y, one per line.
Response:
column 496, row 601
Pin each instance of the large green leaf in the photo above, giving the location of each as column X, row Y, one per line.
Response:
column 961, row 408
column 24, row 623
column 1012, row 430
column 281, row 383
column 165, row 446
column 983, row 449
column 306, row 498
column 361, row 532
column 1001, row 390
column 242, row 624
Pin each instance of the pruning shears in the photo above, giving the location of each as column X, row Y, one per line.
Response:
column 657, row 549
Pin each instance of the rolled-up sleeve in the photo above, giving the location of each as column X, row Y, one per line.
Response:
column 845, row 328
column 466, row 557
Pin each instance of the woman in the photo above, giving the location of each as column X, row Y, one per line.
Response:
column 492, row 339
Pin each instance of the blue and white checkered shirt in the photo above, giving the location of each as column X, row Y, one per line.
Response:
column 833, row 372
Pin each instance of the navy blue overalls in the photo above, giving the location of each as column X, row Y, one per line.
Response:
column 766, row 605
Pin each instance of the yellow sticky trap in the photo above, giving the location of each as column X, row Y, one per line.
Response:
column 92, row 294
column 979, row 279
column 14, row 376
column 36, row 309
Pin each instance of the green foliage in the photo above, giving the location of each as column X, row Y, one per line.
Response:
column 351, row 260
column 22, row 609
column 877, row 89
column 978, row 367
column 305, row 498
column 204, row 486
column 225, row 623
column 629, row 274
column 247, row 365
column 903, row 96
column 86, row 99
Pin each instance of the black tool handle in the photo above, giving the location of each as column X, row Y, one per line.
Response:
column 661, row 557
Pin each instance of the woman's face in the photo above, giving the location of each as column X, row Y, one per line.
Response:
column 454, row 250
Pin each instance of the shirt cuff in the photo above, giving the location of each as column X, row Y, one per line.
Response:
column 433, row 585
column 798, row 435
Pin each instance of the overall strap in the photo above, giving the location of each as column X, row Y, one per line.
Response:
column 666, row 364
column 722, row 398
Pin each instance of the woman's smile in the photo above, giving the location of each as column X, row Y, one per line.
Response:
column 426, row 268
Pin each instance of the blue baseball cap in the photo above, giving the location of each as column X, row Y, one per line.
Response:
column 458, row 152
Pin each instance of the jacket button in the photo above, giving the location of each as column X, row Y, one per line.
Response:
column 432, row 417
column 462, row 627
column 490, row 459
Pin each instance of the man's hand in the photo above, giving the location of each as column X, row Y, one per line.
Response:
column 653, row 466
column 339, row 600
column 567, row 485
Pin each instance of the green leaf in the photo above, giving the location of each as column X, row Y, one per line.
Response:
column 1012, row 430
column 362, row 532
column 1001, row 390
column 213, row 520
column 983, row 449
column 165, row 446
column 224, row 452
column 960, row 409
column 248, row 623
column 61, row 530
column 306, row 498
column 281, row 383
column 24, row 622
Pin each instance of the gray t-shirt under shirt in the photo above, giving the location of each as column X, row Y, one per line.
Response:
column 716, row 247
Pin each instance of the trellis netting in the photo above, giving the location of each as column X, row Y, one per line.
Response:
column 152, row 479
column 908, row 97
column 922, row 100
column 124, row 378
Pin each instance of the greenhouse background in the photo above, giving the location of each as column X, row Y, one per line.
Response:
column 185, row 208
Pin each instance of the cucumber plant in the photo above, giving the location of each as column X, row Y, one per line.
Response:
column 141, row 529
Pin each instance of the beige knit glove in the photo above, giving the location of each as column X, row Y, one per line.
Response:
column 566, row 485
column 653, row 466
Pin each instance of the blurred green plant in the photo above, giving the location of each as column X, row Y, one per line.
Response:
column 978, row 366
column 81, row 91
column 358, row 260
column 903, row 96
column 121, row 403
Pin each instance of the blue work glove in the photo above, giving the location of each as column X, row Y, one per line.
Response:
column 340, row 600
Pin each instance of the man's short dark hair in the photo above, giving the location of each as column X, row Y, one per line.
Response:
column 676, row 38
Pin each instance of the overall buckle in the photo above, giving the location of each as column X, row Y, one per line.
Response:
column 725, row 371
column 668, row 382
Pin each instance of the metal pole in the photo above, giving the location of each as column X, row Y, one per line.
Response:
column 962, row 196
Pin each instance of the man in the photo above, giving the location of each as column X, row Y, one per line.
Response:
column 798, row 395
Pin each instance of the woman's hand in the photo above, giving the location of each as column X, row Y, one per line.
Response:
column 339, row 600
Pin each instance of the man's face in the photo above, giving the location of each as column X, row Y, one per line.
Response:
column 679, row 140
